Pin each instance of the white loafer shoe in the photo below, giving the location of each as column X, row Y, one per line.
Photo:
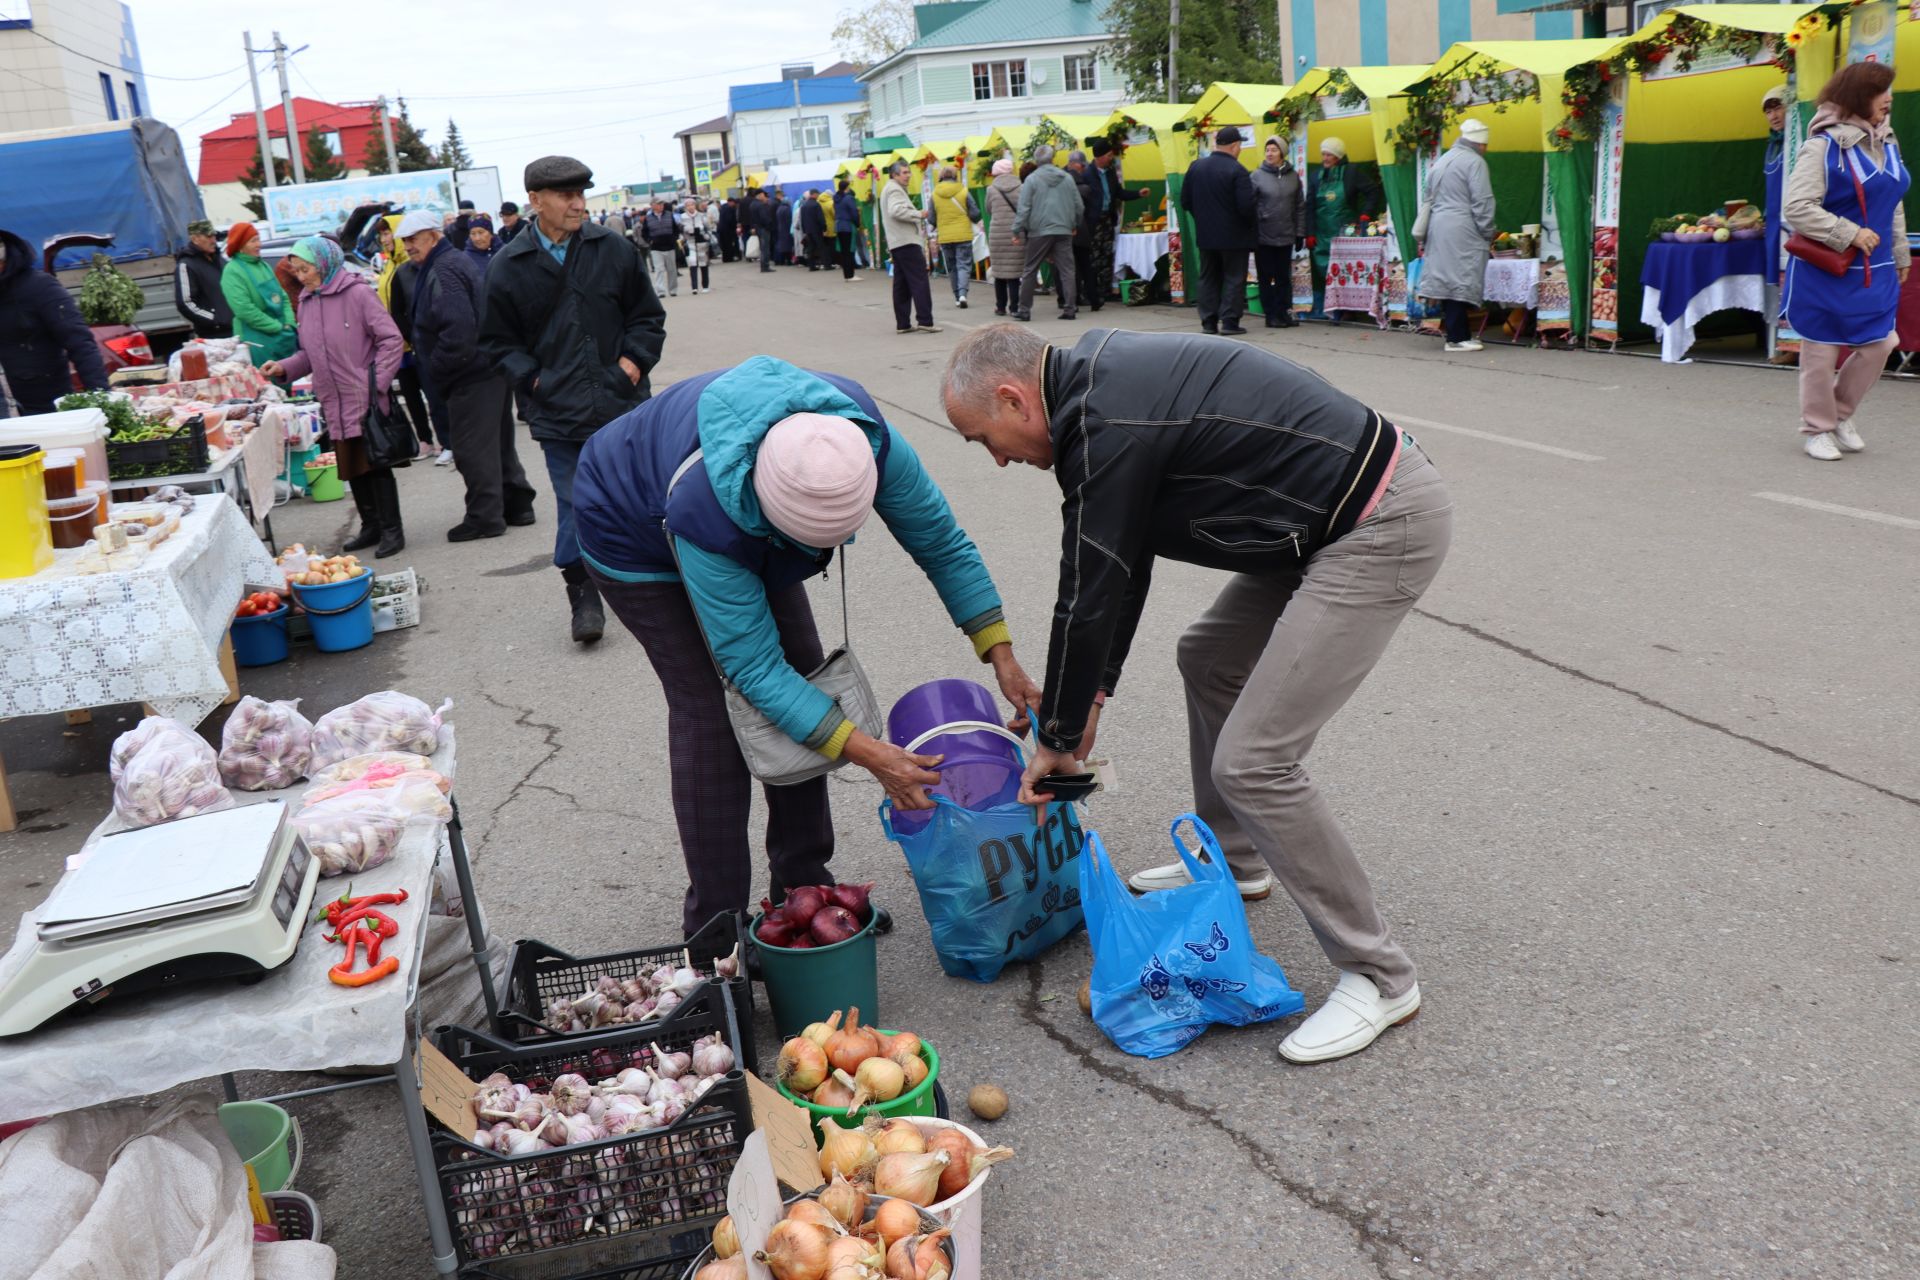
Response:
column 1352, row 1018
column 1822, row 447
column 1174, row 874
column 1848, row 438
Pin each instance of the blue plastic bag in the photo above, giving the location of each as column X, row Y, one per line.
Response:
column 1417, row 307
column 995, row 887
column 1168, row 965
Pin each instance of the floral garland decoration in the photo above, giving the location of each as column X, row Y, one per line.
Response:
column 1050, row 134
column 1434, row 106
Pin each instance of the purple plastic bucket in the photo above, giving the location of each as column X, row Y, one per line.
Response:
column 957, row 719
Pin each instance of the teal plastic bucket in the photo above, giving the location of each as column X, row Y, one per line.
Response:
column 266, row 1138
column 805, row 985
column 340, row 613
column 261, row 641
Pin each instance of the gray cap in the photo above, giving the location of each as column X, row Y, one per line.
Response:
column 1043, row 154
column 558, row 173
column 1076, row 156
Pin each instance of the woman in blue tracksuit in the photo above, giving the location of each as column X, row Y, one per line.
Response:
column 790, row 464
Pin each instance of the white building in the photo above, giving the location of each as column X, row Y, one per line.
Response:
column 986, row 63
column 800, row 117
column 69, row 62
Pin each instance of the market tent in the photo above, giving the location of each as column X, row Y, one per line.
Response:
column 796, row 179
column 890, row 143
column 1364, row 125
column 1081, row 129
column 1227, row 103
column 1906, row 96
column 1157, row 153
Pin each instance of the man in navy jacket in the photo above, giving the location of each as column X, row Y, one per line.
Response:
column 40, row 331
column 1218, row 193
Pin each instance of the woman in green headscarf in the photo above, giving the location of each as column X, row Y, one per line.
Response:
column 262, row 313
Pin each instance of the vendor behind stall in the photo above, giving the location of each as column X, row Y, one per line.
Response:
column 1340, row 192
column 262, row 312
column 701, row 514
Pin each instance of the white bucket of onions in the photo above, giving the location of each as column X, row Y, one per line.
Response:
column 961, row 1212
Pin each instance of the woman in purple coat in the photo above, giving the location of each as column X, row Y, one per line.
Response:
column 352, row 348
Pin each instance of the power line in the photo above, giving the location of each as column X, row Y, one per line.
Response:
column 574, row 131
column 604, row 88
column 84, row 99
column 203, row 111
column 40, row 35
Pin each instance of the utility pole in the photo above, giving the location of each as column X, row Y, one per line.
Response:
column 386, row 127
column 259, row 111
column 294, row 147
column 1173, row 51
column 799, row 123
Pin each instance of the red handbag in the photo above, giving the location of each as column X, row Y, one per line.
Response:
column 1835, row 262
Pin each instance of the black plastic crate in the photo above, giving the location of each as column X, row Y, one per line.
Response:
column 639, row 1190
column 178, row 455
column 538, row 972
column 657, row 1259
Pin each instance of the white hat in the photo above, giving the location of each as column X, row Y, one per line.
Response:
column 416, row 221
column 1776, row 94
column 1474, row 131
column 1333, row 147
column 815, row 478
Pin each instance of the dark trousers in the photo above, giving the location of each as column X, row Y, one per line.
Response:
column 1006, row 295
column 843, row 249
column 484, row 452
column 436, row 410
column 563, row 456
column 1453, row 317
column 730, row 247
column 911, row 290
column 1274, row 262
column 1222, row 294
column 410, row 395
column 766, row 250
column 1101, row 265
column 1040, row 250
column 1083, row 273
column 712, row 790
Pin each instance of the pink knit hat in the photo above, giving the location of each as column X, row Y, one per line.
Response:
column 815, row 478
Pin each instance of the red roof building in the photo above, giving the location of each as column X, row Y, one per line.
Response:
column 228, row 151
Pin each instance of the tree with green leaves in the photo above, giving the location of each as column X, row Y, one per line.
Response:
column 415, row 154
column 453, row 151
column 320, row 160
column 255, row 178
column 876, row 31
column 1231, row 40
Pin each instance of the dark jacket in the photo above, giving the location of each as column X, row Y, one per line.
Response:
column 1282, row 204
column 1206, row 452
column 406, row 279
column 1218, row 193
column 846, row 212
column 197, row 295
column 760, row 216
column 451, row 288
column 505, row 234
column 783, row 229
column 1087, row 183
column 1364, row 193
column 813, row 219
column 567, row 327
column 481, row 257
column 40, row 331
column 660, row 229
column 729, row 224
column 1117, row 191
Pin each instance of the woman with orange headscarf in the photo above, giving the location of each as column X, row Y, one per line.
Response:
column 262, row 313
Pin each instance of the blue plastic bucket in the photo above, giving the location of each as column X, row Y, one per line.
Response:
column 957, row 719
column 340, row 613
column 261, row 641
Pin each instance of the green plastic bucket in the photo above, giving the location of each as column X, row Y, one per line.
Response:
column 917, row 1101
column 323, row 484
column 266, row 1138
column 804, row 985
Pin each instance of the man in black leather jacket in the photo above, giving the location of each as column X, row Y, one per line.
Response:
column 1332, row 523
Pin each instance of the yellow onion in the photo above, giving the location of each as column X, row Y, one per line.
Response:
column 900, row 1258
column 838, row 1091
column 818, row 1032
column 852, row 1044
column 895, row 1220
column 726, row 1242
column 965, row 1161
column 901, row 1044
column 844, row 1150
column 915, row 1070
column 880, row 1080
column 734, row 1268
column 796, row 1250
column 801, row 1066
column 846, row 1202
column 914, row 1178
column 929, row 1259
column 816, row 1213
column 898, row 1135
column 853, row 1252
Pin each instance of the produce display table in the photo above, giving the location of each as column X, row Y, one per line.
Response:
column 1141, row 250
column 245, row 473
column 1685, row 283
column 1513, row 282
column 156, row 634
column 1357, row 276
column 293, row 1019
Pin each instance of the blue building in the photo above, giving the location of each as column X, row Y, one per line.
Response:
column 800, row 117
column 1378, row 33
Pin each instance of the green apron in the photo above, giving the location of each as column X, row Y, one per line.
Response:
column 1330, row 218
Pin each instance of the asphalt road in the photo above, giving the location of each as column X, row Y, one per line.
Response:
column 1636, row 783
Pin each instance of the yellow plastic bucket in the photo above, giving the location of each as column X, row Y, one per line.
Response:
column 26, row 539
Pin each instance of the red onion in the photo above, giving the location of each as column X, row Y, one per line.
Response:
column 802, row 903
column 775, row 933
column 833, row 924
column 854, row 898
column 801, row 943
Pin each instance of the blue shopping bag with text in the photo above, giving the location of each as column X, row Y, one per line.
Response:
column 1168, row 965
column 995, row 887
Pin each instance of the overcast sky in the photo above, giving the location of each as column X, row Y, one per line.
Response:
column 608, row 83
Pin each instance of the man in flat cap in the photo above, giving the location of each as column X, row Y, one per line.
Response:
column 573, row 321
column 1113, row 198
column 196, row 284
column 1218, row 194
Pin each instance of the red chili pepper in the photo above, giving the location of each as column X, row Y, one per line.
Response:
column 355, row 937
column 360, row 915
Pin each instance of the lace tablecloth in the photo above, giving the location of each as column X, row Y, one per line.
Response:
column 1141, row 250
column 1357, row 276
column 152, row 634
column 1514, row 282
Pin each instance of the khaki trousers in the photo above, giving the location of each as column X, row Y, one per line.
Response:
column 1266, row 666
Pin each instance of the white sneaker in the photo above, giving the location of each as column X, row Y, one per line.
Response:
column 445, row 459
column 1847, row 438
column 1823, row 447
column 1352, row 1018
column 1471, row 344
column 1174, row 874
column 961, row 303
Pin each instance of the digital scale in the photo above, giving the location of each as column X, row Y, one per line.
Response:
column 217, row 895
